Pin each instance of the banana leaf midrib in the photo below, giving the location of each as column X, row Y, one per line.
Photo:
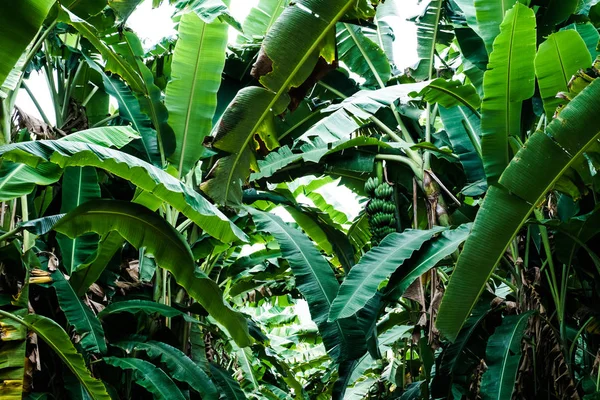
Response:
column 191, row 103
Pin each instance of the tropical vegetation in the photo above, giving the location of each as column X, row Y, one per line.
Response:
column 288, row 215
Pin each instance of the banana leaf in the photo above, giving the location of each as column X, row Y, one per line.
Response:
column 509, row 80
column 532, row 173
column 143, row 228
column 151, row 378
column 557, row 60
column 503, row 356
column 191, row 95
column 19, row 24
column 140, row 173
column 58, row 340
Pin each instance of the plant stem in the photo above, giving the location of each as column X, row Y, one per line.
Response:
column 36, row 103
column 404, row 160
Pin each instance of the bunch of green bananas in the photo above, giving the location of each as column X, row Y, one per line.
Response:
column 380, row 210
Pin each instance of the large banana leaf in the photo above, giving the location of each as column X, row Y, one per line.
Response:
column 130, row 110
column 468, row 9
column 17, row 179
column 88, row 272
column 237, row 129
column 79, row 185
column 151, row 378
column 262, row 17
column 143, row 228
column 123, row 8
column 85, row 8
column 79, row 315
column 426, row 258
column 428, row 26
column 362, row 56
column 179, row 366
column 503, row 356
column 58, row 340
column 353, row 112
column 489, row 15
column 315, row 280
column 463, row 128
column 114, row 62
column 287, row 58
column 450, row 94
column 558, row 59
column 191, row 95
column 138, row 172
column 229, row 386
column 107, row 136
column 589, row 34
column 361, row 284
column 150, row 97
column 509, row 80
column 532, row 173
column 19, row 22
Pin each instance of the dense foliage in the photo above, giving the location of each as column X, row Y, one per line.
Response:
column 200, row 240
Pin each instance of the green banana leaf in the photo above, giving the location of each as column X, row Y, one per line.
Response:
column 426, row 258
column 469, row 11
column 79, row 315
column 428, row 26
column 589, row 34
column 377, row 265
column 282, row 64
column 151, row 378
column 88, row 81
column 178, row 365
column 85, row 8
column 191, row 95
column 19, row 24
column 143, row 228
column 145, row 306
column 130, row 110
column 13, row 354
column 237, row 129
column 503, row 356
column 123, row 8
column 532, row 173
column 228, row 385
column 108, row 136
column 114, row 62
column 88, row 272
column 463, row 128
column 450, row 94
column 557, row 60
column 138, row 172
column 249, row 381
column 262, row 17
column 489, row 15
column 79, row 185
column 354, row 111
column 58, row 340
column 17, row 180
column 362, row 56
column 324, row 232
column 150, row 97
column 317, row 283
column 509, row 80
